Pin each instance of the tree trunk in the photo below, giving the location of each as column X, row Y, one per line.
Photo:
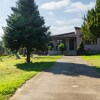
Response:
column 24, row 52
column 28, row 56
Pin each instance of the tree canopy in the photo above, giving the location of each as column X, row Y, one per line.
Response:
column 91, row 25
column 26, row 28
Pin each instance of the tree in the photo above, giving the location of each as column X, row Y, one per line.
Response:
column 1, row 48
column 88, row 25
column 91, row 25
column 26, row 28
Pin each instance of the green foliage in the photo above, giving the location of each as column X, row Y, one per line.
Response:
column 91, row 25
column 13, row 73
column 1, row 48
column 49, row 47
column 25, row 28
column 80, row 49
column 61, row 47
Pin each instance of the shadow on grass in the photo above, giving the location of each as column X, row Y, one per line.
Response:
column 37, row 66
column 60, row 68
column 97, row 68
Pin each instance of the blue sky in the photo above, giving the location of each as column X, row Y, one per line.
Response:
column 61, row 15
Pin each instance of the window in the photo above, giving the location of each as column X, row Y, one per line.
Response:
column 90, row 42
column 94, row 41
column 87, row 42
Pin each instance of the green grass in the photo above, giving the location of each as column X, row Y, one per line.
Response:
column 13, row 73
column 93, row 60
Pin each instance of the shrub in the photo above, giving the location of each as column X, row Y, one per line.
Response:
column 49, row 47
column 61, row 47
column 80, row 49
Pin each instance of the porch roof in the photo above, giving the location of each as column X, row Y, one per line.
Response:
column 65, row 35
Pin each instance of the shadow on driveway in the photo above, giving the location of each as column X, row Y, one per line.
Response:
column 61, row 68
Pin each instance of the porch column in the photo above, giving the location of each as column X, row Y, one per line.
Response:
column 55, row 44
column 67, row 44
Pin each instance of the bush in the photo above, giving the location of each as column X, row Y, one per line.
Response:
column 80, row 49
column 89, row 53
column 61, row 47
column 49, row 48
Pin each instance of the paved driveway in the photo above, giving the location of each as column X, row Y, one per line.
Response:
column 69, row 79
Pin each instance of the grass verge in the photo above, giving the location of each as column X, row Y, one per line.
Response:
column 93, row 60
column 13, row 73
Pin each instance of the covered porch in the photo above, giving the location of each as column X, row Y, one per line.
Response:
column 69, row 40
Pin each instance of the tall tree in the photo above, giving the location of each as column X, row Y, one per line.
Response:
column 97, row 22
column 91, row 25
column 26, row 28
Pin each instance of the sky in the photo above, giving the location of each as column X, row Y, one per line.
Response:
column 61, row 15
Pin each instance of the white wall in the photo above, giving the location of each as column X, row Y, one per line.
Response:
column 78, row 35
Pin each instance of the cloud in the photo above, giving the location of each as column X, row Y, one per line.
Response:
column 65, row 26
column 55, row 5
column 6, row 0
column 68, row 22
column 70, row 7
column 79, row 6
column 51, row 13
column 62, row 29
column 1, row 32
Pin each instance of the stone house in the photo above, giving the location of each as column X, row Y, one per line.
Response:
column 72, row 40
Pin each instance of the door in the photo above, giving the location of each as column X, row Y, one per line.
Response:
column 71, row 44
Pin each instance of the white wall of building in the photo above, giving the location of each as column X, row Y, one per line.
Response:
column 78, row 36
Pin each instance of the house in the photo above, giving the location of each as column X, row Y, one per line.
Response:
column 72, row 40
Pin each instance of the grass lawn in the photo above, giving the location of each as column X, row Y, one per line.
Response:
column 13, row 73
column 93, row 60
